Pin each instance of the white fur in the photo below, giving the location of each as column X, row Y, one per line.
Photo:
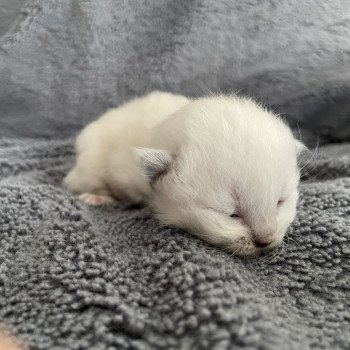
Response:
column 196, row 162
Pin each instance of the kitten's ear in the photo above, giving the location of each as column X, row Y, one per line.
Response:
column 152, row 163
column 300, row 147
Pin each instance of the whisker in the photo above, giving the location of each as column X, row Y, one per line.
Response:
column 312, row 155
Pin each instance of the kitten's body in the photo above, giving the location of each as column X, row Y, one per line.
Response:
column 197, row 163
column 105, row 162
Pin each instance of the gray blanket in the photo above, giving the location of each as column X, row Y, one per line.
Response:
column 65, row 62
column 76, row 277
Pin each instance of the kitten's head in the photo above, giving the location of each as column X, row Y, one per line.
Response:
column 227, row 172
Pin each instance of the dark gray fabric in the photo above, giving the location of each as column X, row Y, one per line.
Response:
column 66, row 62
column 9, row 12
column 77, row 277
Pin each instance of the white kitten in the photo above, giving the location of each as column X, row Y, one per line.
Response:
column 223, row 168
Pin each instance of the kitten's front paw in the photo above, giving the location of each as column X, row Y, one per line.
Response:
column 94, row 199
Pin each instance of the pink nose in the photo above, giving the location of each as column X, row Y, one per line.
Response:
column 263, row 235
column 262, row 242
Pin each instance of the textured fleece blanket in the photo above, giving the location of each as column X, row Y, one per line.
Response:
column 78, row 277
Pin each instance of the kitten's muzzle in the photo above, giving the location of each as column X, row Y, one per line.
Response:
column 263, row 242
column 264, row 237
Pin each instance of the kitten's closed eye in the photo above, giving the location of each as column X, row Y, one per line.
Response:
column 235, row 215
column 280, row 202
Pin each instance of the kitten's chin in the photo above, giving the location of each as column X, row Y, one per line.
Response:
column 244, row 250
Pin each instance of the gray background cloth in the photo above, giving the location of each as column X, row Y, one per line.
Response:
column 76, row 277
column 10, row 10
column 64, row 63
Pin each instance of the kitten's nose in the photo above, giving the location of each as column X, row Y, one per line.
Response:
column 263, row 235
column 262, row 242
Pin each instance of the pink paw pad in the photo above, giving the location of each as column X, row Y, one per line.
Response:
column 94, row 199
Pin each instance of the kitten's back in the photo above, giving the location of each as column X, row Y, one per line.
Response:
column 104, row 161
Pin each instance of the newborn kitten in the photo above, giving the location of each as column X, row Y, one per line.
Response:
column 222, row 167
